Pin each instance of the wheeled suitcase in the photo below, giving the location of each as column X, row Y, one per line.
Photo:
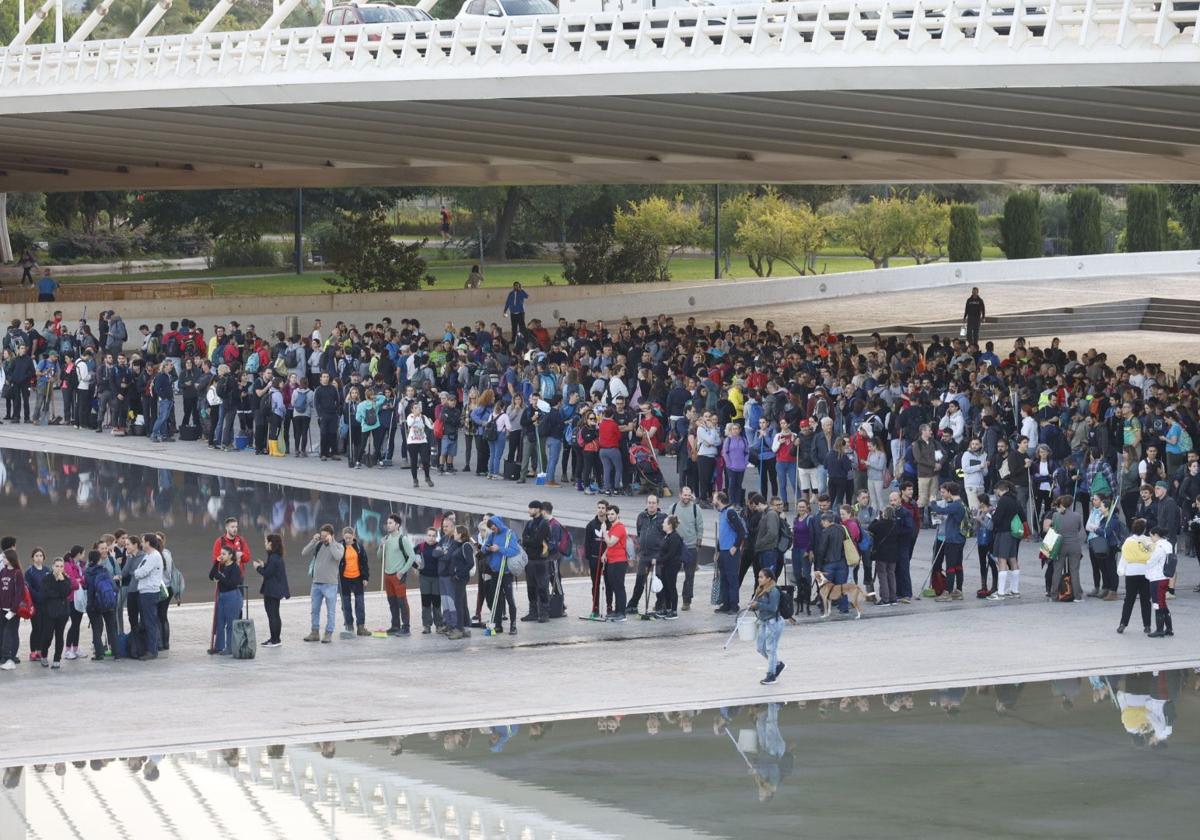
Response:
column 244, row 642
column 189, row 433
column 512, row 470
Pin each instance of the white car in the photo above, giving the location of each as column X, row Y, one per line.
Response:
column 474, row 10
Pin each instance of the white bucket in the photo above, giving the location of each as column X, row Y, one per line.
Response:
column 747, row 628
column 747, row 740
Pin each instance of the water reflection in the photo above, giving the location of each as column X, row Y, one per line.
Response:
column 910, row 764
column 55, row 501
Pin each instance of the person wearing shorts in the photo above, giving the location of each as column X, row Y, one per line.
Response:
column 1005, row 544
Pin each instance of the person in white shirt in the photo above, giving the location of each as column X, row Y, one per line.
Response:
column 1029, row 426
column 974, row 469
column 149, row 577
column 953, row 421
column 1158, row 576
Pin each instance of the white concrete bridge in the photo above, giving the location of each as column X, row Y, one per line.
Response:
column 841, row 90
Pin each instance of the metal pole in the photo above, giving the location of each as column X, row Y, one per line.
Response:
column 717, row 231
column 480, row 223
column 298, row 232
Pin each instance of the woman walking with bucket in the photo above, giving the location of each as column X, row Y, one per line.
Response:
column 765, row 604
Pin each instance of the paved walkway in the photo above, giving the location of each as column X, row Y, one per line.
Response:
column 363, row 687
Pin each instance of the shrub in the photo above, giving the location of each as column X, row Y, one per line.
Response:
column 367, row 259
column 77, row 246
column 1083, row 222
column 1144, row 220
column 598, row 260
column 1021, row 227
column 237, row 254
column 965, row 245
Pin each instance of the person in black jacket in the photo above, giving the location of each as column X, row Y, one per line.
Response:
column 670, row 561
column 56, row 604
column 354, row 572
column 1005, row 545
column 328, row 405
column 21, row 379
column 535, row 539
column 593, row 550
column 274, row 586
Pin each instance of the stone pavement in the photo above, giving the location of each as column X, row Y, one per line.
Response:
column 363, row 687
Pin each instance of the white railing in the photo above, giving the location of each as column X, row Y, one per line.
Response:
column 623, row 40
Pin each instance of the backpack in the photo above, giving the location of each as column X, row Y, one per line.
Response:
column 564, row 545
column 966, row 525
column 106, row 593
column 291, row 357
column 370, row 416
column 300, row 402
column 1185, row 440
column 439, row 428
column 787, row 607
column 253, row 363
column 490, row 432
column 172, row 348
column 1100, row 485
column 516, row 565
column 865, row 542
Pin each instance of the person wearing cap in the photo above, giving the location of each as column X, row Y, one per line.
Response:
column 535, row 539
column 1170, row 519
column 829, row 554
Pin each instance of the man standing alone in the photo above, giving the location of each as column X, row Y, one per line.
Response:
column 514, row 307
column 973, row 314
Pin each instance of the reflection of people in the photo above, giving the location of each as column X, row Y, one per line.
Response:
column 770, row 763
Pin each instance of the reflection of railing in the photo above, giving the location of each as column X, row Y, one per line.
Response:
column 393, row 803
column 625, row 40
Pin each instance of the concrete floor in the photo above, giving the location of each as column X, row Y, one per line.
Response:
column 363, row 687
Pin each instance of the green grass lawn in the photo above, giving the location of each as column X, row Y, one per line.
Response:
column 451, row 274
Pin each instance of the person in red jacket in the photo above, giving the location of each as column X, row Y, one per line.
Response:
column 235, row 542
column 610, row 452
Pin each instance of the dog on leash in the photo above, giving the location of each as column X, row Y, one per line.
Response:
column 831, row 592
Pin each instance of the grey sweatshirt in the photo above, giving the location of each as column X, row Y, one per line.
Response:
column 326, row 558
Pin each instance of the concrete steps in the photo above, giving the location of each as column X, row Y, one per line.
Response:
column 1159, row 314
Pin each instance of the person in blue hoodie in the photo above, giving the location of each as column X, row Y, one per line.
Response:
column 501, row 544
column 514, row 307
column 952, row 511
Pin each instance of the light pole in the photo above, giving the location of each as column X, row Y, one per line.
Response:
column 717, row 231
column 298, row 232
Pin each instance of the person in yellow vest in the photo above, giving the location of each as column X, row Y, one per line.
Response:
column 354, row 572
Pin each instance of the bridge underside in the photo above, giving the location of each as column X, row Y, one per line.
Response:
column 1099, row 134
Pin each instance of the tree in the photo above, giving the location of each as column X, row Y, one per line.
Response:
column 926, row 229
column 367, row 259
column 875, row 229
column 1191, row 220
column 1144, row 222
column 1021, row 226
column 774, row 230
column 1084, row 232
column 599, row 259
column 814, row 195
column 670, row 225
column 965, row 245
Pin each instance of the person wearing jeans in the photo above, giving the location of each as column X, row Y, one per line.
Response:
column 325, row 558
column 784, row 447
column 162, row 390
column 731, row 538
column 228, row 575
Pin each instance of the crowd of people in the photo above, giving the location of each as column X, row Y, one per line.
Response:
column 813, row 454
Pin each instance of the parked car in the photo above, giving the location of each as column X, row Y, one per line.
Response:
column 360, row 14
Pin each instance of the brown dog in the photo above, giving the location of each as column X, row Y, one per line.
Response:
column 831, row 592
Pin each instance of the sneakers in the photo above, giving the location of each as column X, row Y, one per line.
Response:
column 363, row 631
column 54, row 666
column 454, row 633
column 767, row 680
column 618, row 618
column 687, row 605
column 943, row 598
column 71, row 653
column 327, row 638
column 670, row 615
column 956, row 595
column 272, row 644
column 996, row 596
column 779, row 666
column 1014, row 594
column 8, row 666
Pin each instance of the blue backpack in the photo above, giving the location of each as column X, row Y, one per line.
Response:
column 300, row 402
column 253, row 363
column 105, row 593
